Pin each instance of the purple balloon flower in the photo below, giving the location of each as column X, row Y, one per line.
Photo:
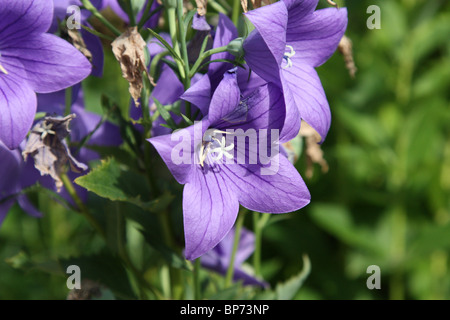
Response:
column 219, row 258
column 291, row 39
column 219, row 175
column 31, row 61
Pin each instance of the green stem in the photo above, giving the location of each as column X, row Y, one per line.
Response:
column 98, row 34
column 184, row 53
column 259, row 221
column 68, row 101
column 171, row 17
column 197, row 284
column 81, row 207
column 88, row 5
column 203, row 56
column 182, row 36
column 236, row 12
column 146, row 14
column 130, row 13
column 218, row 7
column 237, row 236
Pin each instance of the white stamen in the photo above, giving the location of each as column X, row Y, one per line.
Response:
column 220, row 148
column 3, row 69
column 287, row 56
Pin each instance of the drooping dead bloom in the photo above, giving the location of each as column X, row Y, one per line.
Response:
column 129, row 51
column 46, row 145
column 314, row 154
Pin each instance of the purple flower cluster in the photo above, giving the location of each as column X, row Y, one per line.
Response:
column 31, row 61
column 35, row 68
column 232, row 156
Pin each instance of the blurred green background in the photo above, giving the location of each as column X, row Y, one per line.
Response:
column 384, row 201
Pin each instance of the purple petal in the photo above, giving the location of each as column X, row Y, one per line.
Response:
column 19, row 19
column 51, row 63
column 281, row 191
column 292, row 122
column 151, row 23
column 28, row 207
column 210, row 209
column 248, row 81
column 168, row 87
column 9, row 173
column 225, row 99
column 271, row 23
column 17, row 109
column 199, row 94
column 259, row 58
column 95, row 47
column 155, row 46
column 107, row 134
column 316, row 37
column 177, row 149
column 199, row 23
column 263, row 109
column 54, row 103
column 219, row 257
column 225, row 32
column 4, row 209
column 300, row 8
column 303, row 83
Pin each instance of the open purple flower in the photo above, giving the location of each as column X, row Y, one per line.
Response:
column 291, row 39
column 220, row 173
column 219, row 258
column 31, row 61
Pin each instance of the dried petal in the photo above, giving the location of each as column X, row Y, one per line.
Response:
column 129, row 51
column 314, row 153
column 50, row 152
column 78, row 42
column 201, row 6
column 346, row 49
column 244, row 4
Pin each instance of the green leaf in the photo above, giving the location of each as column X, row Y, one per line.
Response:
column 288, row 289
column 118, row 183
column 187, row 19
column 166, row 45
column 174, row 259
column 165, row 114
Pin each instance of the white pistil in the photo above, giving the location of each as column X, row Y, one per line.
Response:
column 288, row 56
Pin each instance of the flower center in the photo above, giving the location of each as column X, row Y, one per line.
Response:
column 45, row 130
column 214, row 147
column 287, row 57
